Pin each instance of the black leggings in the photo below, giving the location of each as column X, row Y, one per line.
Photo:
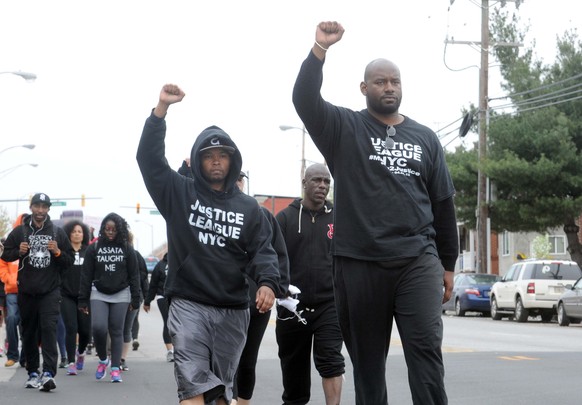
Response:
column 128, row 325
column 76, row 322
column 244, row 380
column 163, row 306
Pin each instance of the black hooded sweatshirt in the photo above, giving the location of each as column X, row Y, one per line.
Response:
column 157, row 281
column 110, row 267
column 308, row 236
column 39, row 271
column 213, row 237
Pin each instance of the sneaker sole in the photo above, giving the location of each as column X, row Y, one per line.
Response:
column 47, row 386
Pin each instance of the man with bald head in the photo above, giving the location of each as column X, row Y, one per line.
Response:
column 307, row 226
column 395, row 239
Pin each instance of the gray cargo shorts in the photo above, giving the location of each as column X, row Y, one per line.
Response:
column 208, row 342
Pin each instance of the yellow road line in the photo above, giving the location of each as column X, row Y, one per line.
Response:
column 517, row 358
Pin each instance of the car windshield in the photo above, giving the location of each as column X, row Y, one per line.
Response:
column 483, row 279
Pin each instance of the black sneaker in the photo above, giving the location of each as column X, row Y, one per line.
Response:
column 64, row 363
column 46, row 382
column 123, row 366
column 135, row 344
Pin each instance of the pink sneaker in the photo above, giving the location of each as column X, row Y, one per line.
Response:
column 101, row 369
column 80, row 361
column 71, row 369
column 115, row 375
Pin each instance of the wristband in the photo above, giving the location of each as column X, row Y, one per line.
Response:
column 58, row 255
column 322, row 48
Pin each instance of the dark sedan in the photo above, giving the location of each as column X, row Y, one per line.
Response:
column 471, row 293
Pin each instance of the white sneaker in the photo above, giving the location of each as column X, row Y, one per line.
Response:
column 33, row 381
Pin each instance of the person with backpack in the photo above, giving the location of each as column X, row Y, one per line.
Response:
column 44, row 252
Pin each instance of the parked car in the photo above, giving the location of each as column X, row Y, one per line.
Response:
column 532, row 287
column 471, row 293
column 569, row 307
column 151, row 262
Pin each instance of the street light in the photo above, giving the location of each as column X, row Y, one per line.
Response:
column 28, row 146
column 6, row 172
column 303, row 132
column 151, row 232
column 29, row 77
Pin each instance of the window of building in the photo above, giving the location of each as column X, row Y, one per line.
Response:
column 558, row 244
column 505, row 244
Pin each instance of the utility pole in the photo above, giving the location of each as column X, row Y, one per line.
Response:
column 482, row 200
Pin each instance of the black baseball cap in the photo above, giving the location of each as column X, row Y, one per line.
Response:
column 40, row 198
column 216, row 142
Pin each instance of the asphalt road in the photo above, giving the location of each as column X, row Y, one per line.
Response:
column 486, row 362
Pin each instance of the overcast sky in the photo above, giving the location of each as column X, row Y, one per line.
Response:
column 101, row 65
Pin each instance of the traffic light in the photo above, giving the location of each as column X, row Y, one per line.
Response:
column 82, row 200
column 137, row 208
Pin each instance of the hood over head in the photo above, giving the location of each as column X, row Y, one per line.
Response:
column 215, row 137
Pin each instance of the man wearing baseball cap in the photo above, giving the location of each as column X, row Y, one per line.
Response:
column 43, row 251
column 216, row 235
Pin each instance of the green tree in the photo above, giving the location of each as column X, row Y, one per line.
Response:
column 464, row 171
column 541, row 247
column 534, row 152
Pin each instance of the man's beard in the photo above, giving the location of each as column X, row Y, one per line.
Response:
column 384, row 109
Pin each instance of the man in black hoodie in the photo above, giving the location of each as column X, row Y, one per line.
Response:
column 307, row 226
column 216, row 233
column 43, row 251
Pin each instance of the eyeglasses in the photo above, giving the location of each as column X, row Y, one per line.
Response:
column 389, row 142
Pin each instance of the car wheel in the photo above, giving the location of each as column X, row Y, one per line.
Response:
column 521, row 314
column 496, row 316
column 563, row 319
column 458, row 310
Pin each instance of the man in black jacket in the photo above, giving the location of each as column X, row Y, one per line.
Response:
column 43, row 251
column 307, row 226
